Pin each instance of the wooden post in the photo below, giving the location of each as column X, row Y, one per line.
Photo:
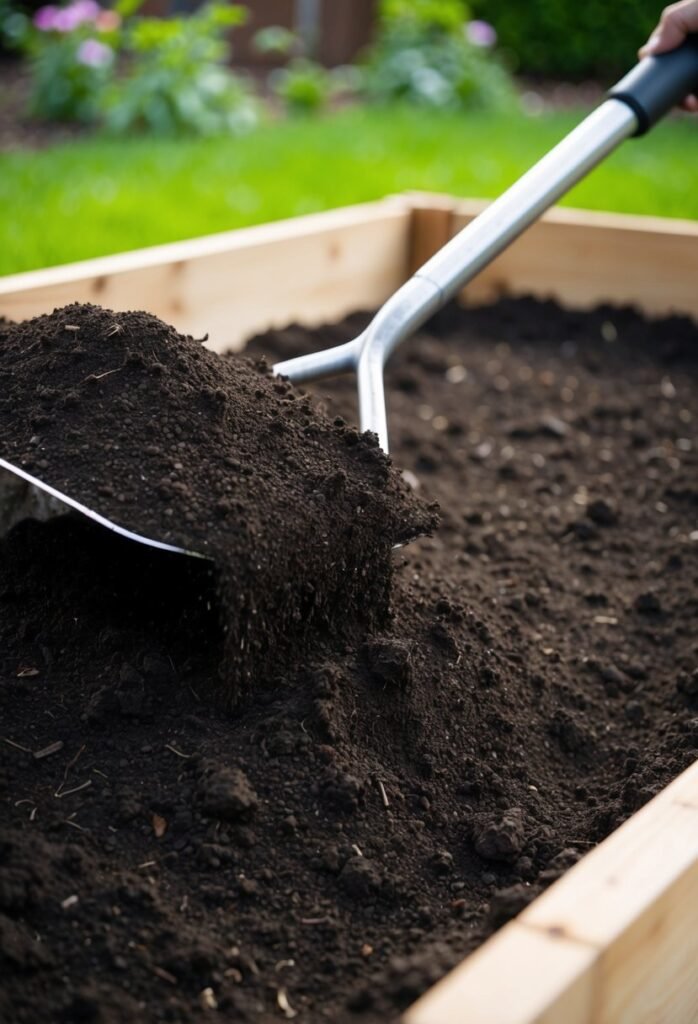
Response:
column 433, row 224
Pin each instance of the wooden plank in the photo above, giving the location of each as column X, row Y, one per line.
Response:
column 517, row 976
column 582, row 259
column 621, row 937
column 319, row 268
column 635, row 899
column 432, row 226
column 312, row 269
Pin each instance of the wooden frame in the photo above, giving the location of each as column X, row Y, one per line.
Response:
column 318, row 268
column 615, row 941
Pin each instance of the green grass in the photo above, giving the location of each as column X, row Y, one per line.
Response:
column 101, row 196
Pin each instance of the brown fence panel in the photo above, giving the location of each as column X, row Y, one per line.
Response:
column 345, row 27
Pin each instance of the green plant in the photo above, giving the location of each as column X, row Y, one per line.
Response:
column 71, row 52
column 427, row 52
column 176, row 81
column 277, row 40
column 14, row 25
column 571, row 40
column 426, row 15
column 304, row 86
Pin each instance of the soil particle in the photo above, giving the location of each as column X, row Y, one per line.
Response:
column 507, row 903
column 500, row 837
column 499, row 698
column 647, row 603
column 389, row 660
column 360, row 877
column 688, row 684
column 226, row 794
column 602, row 513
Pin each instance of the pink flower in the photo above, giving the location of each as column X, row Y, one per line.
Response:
column 108, row 21
column 94, row 54
column 67, row 19
column 45, row 17
column 85, row 10
column 480, row 33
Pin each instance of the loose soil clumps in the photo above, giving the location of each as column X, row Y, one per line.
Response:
column 361, row 821
column 173, row 442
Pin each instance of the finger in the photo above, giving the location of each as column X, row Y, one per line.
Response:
column 674, row 25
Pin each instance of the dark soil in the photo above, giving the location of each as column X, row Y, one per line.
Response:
column 213, row 455
column 359, row 824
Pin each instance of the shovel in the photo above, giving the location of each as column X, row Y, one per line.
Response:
column 640, row 99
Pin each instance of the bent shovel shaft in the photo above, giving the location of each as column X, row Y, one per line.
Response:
column 639, row 99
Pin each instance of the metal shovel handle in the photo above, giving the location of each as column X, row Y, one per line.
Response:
column 641, row 98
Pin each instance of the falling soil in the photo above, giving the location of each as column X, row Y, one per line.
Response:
column 357, row 824
column 213, row 455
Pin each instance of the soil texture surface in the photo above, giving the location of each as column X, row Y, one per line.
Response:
column 215, row 456
column 368, row 814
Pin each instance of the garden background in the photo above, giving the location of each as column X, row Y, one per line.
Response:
column 131, row 125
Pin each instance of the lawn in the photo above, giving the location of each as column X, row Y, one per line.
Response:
column 99, row 196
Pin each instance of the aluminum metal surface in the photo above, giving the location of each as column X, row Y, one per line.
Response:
column 443, row 276
column 91, row 514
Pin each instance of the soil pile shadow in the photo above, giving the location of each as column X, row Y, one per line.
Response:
column 174, row 443
column 361, row 822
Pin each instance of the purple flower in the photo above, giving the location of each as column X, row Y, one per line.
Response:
column 94, row 54
column 66, row 19
column 85, row 10
column 45, row 18
column 480, row 33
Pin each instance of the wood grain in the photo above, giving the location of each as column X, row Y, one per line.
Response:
column 312, row 269
column 615, row 941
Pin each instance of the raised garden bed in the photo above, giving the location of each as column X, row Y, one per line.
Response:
column 540, row 659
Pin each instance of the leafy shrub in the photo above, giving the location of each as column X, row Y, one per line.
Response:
column 173, row 80
column 277, row 40
column 71, row 52
column 566, row 40
column 177, row 81
column 427, row 52
column 303, row 85
column 14, row 25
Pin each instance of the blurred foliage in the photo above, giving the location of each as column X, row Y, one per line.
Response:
column 71, row 51
column 423, row 54
column 303, row 85
column 568, row 40
column 177, row 80
column 113, row 67
column 426, row 15
column 277, row 40
column 14, row 24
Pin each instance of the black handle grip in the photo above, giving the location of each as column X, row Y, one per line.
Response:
column 657, row 84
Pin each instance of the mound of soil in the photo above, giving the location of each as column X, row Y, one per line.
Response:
column 357, row 825
column 173, row 442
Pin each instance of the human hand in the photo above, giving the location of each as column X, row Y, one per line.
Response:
column 676, row 22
